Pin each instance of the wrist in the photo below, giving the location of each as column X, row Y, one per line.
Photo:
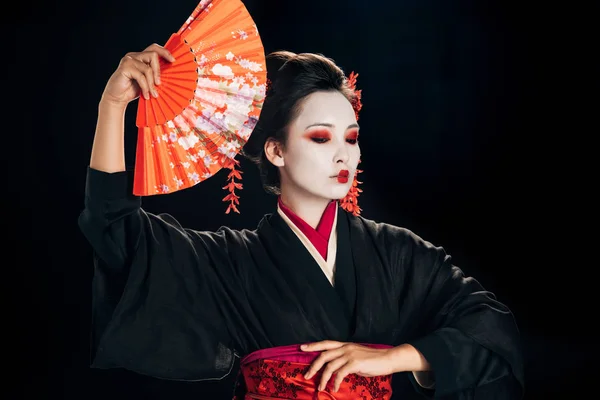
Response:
column 112, row 107
column 406, row 358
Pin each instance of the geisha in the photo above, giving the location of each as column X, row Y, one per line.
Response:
column 316, row 301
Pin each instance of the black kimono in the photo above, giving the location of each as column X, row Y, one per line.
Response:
column 176, row 303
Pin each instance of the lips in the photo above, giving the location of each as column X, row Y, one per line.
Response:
column 342, row 176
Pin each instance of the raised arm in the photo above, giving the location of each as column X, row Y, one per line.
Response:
column 137, row 75
column 111, row 217
column 158, row 289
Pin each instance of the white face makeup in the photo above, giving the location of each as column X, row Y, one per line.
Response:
column 321, row 153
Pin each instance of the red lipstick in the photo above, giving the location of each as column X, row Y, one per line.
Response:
column 343, row 176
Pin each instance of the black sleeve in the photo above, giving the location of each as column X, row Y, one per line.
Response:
column 469, row 338
column 158, row 292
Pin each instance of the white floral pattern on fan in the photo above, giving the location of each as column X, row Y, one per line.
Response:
column 182, row 148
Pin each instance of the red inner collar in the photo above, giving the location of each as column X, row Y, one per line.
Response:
column 318, row 237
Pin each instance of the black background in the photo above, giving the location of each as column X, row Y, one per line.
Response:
column 471, row 127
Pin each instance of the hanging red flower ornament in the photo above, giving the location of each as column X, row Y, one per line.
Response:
column 350, row 202
column 232, row 197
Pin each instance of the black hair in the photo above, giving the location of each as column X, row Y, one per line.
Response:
column 292, row 77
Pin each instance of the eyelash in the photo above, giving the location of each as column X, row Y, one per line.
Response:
column 323, row 140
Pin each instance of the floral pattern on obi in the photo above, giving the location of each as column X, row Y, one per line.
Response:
column 265, row 379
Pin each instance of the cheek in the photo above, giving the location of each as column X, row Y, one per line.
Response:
column 309, row 163
column 355, row 155
column 300, row 159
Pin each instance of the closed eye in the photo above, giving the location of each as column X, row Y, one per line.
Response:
column 352, row 137
column 319, row 139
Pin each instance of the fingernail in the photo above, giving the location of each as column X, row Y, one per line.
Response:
column 303, row 346
column 158, row 80
column 154, row 93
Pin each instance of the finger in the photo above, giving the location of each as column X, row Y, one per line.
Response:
column 148, row 64
column 149, row 74
column 341, row 373
column 321, row 360
column 134, row 74
column 138, row 61
column 162, row 51
column 156, row 51
column 151, row 58
column 155, row 64
column 321, row 346
column 330, row 369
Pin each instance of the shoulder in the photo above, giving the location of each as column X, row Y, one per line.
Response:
column 399, row 241
column 223, row 236
column 389, row 232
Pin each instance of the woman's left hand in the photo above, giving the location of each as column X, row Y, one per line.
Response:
column 347, row 358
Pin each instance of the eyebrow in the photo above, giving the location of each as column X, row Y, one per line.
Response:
column 331, row 125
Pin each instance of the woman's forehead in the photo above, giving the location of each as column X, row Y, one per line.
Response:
column 331, row 108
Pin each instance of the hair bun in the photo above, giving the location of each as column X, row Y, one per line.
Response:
column 275, row 60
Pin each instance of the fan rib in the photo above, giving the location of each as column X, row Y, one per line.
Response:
column 214, row 29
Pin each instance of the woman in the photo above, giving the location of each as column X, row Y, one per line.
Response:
column 369, row 299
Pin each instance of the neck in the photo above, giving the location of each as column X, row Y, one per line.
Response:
column 310, row 209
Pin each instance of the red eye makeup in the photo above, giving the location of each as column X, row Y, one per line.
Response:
column 352, row 136
column 319, row 135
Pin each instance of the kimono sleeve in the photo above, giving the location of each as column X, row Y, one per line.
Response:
column 469, row 338
column 158, row 289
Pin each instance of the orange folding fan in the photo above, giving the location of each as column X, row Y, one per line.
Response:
column 209, row 101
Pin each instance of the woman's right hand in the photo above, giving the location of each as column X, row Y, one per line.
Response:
column 137, row 74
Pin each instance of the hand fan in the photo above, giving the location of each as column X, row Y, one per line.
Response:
column 209, row 101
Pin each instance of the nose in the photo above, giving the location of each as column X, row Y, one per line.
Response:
column 342, row 155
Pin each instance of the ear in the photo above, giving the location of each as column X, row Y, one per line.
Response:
column 274, row 153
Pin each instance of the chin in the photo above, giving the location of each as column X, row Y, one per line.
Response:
column 330, row 193
column 340, row 193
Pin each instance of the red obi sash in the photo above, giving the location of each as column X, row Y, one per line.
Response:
column 278, row 373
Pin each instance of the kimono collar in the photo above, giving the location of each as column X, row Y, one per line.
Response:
column 318, row 237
